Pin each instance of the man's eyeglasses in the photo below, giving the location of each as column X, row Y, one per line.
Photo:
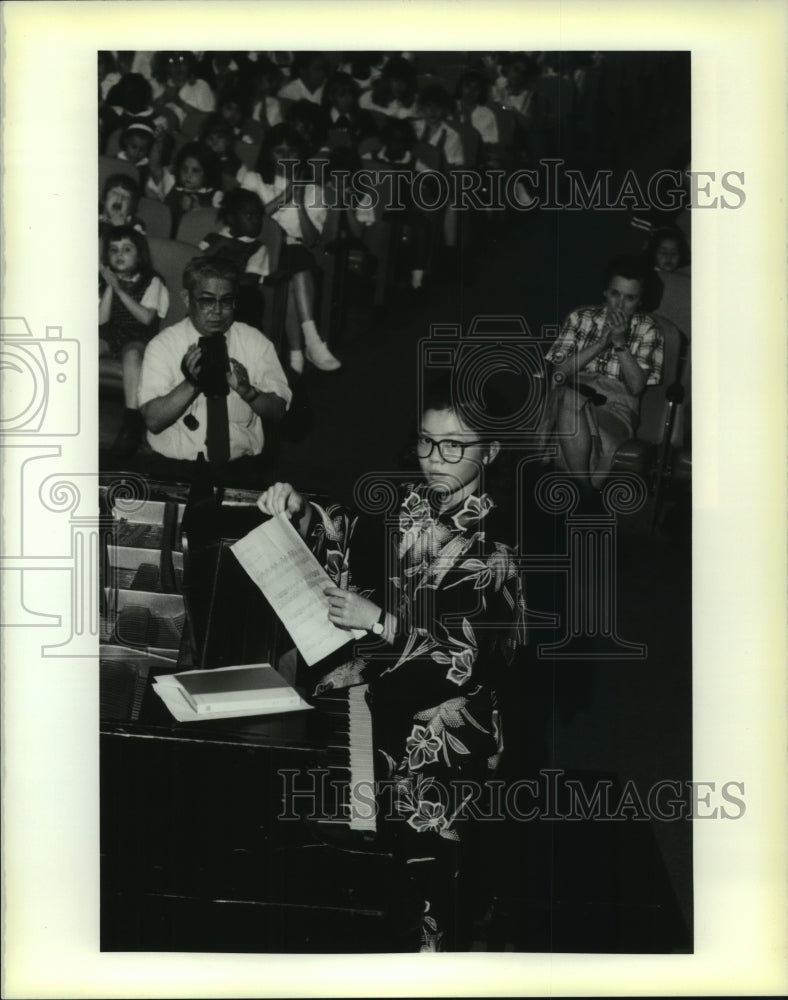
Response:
column 208, row 303
column 451, row 452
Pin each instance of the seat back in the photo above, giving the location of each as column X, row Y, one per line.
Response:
column 170, row 258
column 109, row 165
column 196, row 224
column 156, row 216
column 654, row 403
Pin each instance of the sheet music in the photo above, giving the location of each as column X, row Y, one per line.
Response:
column 292, row 580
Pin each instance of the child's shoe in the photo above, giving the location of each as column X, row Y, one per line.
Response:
column 316, row 350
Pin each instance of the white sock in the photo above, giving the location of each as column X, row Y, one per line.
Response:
column 416, row 278
column 309, row 328
column 297, row 361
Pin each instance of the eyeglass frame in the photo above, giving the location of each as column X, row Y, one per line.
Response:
column 210, row 303
column 462, row 445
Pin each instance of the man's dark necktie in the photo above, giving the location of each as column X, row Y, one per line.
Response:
column 217, row 435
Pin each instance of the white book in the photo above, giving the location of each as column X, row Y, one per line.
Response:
column 227, row 692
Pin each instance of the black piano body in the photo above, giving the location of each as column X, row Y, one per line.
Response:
column 208, row 839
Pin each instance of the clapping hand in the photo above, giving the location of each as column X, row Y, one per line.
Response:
column 190, row 364
column 238, row 378
column 109, row 276
column 616, row 326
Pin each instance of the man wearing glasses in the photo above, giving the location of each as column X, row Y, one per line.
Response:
column 208, row 382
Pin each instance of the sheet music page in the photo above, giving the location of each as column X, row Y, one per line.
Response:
column 292, row 580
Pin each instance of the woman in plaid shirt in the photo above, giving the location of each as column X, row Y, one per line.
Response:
column 603, row 359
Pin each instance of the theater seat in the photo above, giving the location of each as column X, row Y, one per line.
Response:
column 156, row 216
column 659, row 452
column 170, row 258
column 109, row 165
column 195, row 225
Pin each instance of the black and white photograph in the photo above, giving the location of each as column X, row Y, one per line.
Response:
column 443, row 299
column 386, row 589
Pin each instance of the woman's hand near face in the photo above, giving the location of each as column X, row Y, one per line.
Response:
column 282, row 498
column 348, row 610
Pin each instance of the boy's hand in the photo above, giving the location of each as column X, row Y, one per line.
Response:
column 348, row 610
column 281, row 498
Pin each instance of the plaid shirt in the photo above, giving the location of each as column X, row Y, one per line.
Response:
column 584, row 326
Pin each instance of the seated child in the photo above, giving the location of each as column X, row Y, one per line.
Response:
column 118, row 204
column 218, row 137
column 394, row 92
column 301, row 214
column 133, row 298
column 345, row 118
column 266, row 81
column 193, row 182
column 176, row 85
column 395, row 154
column 309, row 78
column 241, row 218
column 472, row 93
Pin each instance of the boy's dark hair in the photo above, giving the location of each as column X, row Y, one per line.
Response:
column 200, row 268
column 116, row 233
column 482, row 414
column 279, row 135
column 235, row 201
column 207, row 159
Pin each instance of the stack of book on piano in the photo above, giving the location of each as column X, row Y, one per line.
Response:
column 227, row 692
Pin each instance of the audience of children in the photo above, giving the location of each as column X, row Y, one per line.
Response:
column 397, row 111
column 132, row 300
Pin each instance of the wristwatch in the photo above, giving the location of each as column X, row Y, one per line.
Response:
column 377, row 628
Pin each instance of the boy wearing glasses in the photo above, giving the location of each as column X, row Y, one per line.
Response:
column 206, row 357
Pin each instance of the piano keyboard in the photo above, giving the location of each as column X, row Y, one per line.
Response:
column 351, row 755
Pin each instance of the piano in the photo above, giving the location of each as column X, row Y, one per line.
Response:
column 237, row 835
